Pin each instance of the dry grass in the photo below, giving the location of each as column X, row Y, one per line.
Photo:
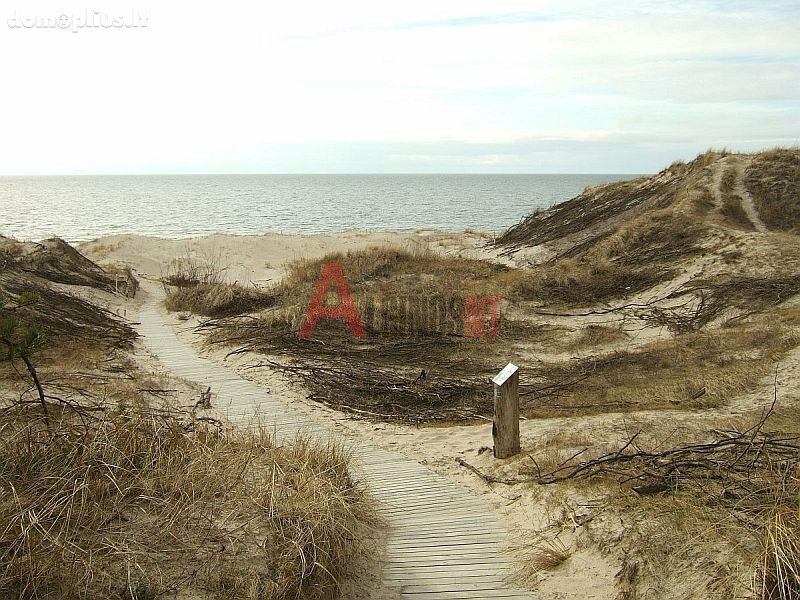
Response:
column 698, row 370
column 217, row 299
column 399, row 295
column 728, row 527
column 778, row 574
column 379, row 376
column 633, row 258
column 138, row 505
column 100, row 250
column 54, row 260
column 60, row 315
column 547, row 554
column 677, row 547
column 603, row 209
column 193, row 268
column 732, row 209
column 196, row 284
column 590, row 210
column 556, row 450
column 572, row 282
column 595, row 335
column 777, row 570
column 773, row 179
column 657, row 237
column 403, row 295
column 631, row 236
column 722, row 300
column 399, row 272
column 413, row 307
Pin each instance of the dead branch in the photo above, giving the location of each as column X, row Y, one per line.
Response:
column 486, row 477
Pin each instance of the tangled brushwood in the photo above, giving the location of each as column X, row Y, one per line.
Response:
column 747, row 469
column 375, row 391
column 138, row 504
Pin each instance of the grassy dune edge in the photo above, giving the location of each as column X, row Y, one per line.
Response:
column 110, row 487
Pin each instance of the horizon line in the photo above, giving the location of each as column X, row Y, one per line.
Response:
column 394, row 173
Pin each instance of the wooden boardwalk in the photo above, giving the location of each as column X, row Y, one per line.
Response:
column 443, row 542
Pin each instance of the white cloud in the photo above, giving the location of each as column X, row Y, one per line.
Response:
column 217, row 86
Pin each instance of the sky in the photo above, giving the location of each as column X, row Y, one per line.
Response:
column 432, row 86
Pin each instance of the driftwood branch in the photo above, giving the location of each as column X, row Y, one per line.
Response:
column 486, row 477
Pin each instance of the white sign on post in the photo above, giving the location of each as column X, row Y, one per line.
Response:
column 505, row 431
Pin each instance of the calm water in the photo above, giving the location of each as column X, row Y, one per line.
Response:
column 82, row 208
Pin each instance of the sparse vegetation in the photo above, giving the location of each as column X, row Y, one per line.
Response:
column 778, row 574
column 692, row 371
column 646, row 296
column 571, row 282
column 196, row 284
column 412, row 305
column 714, row 513
column 217, row 299
column 594, row 335
column 718, row 507
column 548, row 554
column 635, row 257
column 56, row 261
column 583, row 213
column 731, row 203
column 63, row 316
column 773, row 179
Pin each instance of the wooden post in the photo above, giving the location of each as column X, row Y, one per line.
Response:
column 505, row 430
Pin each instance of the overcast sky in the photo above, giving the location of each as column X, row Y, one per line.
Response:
column 413, row 86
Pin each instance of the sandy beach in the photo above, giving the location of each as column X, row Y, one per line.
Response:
column 262, row 259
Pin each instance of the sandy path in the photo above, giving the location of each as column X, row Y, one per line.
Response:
column 748, row 205
column 442, row 542
column 716, row 184
column 739, row 189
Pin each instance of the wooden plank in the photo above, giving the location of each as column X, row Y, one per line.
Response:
column 424, row 533
column 413, row 574
column 449, row 585
column 407, row 511
column 456, row 590
column 442, row 541
column 410, row 503
column 487, row 551
column 455, row 562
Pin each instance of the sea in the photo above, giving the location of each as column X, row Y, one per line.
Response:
column 80, row 208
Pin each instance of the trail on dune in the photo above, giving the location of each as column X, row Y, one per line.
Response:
column 739, row 189
column 747, row 200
